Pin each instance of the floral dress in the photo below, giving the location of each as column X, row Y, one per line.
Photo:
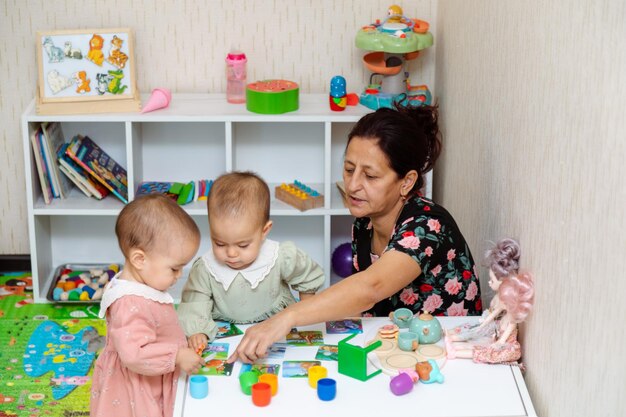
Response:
column 448, row 284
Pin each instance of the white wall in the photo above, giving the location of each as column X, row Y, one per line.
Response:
column 533, row 105
column 182, row 45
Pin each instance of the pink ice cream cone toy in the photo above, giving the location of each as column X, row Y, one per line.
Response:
column 159, row 99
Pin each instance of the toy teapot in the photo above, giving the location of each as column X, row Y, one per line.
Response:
column 427, row 327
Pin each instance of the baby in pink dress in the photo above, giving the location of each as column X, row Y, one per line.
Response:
column 136, row 373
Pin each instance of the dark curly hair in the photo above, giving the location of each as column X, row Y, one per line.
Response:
column 408, row 136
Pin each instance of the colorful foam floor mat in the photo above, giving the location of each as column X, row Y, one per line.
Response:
column 47, row 352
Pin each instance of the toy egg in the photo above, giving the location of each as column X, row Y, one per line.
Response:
column 427, row 327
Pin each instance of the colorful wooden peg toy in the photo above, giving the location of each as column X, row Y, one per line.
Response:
column 299, row 195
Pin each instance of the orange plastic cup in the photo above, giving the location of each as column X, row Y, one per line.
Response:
column 261, row 394
column 271, row 380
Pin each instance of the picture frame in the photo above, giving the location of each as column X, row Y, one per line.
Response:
column 86, row 71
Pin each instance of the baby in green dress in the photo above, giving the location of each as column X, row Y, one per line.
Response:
column 245, row 277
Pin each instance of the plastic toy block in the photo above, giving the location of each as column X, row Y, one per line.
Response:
column 299, row 195
column 186, row 194
column 176, row 188
column 352, row 360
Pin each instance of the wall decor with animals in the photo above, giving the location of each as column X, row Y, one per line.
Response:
column 91, row 65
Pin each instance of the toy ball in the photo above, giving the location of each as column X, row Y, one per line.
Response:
column 341, row 261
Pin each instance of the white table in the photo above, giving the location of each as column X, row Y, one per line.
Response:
column 469, row 389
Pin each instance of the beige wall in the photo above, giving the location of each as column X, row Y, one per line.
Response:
column 533, row 109
column 533, row 102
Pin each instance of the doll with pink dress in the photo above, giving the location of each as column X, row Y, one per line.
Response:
column 145, row 350
column 495, row 339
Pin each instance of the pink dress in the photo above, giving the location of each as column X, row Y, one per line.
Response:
column 135, row 375
column 507, row 353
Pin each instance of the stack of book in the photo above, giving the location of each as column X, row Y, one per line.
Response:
column 96, row 165
column 82, row 163
column 46, row 141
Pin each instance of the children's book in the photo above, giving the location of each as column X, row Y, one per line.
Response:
column 46, row 192
column 75, row 180
column 47, row 163
column 96, row 189
column 159, row 187
column 100, row 165
column 55, row 140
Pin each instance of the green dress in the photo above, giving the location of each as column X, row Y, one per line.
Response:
column 216, row 292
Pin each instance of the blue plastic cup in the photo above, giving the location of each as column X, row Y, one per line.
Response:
column 326, row 389
column 198, row 386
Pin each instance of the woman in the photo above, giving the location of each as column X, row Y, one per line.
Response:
column 407, row 250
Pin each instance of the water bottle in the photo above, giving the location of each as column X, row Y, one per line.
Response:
column 236, row 77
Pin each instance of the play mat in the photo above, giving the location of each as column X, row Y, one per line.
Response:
column 46, row 352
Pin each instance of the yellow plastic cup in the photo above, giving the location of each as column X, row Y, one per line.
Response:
column 315, row 374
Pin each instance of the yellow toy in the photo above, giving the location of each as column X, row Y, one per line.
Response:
column 95, row 54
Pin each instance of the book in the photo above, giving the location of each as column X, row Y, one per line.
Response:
column 96, row 189
column 86, row 153
column 43, row 180
column 159, row 187
column 47, row 162
column 69, row 174
column 53, row 135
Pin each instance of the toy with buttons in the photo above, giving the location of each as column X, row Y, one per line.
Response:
column 299, row 195
column 81, row 285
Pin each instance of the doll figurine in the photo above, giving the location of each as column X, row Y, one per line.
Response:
column 495, row 339
column 338, row 95
column 502, row 261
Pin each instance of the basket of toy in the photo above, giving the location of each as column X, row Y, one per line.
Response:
column 80, row 283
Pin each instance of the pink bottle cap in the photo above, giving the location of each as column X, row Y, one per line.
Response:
column 236, row 57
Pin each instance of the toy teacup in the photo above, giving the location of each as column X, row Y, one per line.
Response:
column 408, row 341
column 401, row 317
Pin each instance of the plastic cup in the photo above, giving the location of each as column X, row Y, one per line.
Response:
column 261, row 394
column 247, row 380
column 326, row 389
column 271, row 380
column 198, row 386
column 315, row 374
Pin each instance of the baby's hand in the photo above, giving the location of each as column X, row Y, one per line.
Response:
column 188, row 360
column 198, row 342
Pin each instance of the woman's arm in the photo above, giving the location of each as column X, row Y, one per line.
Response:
column 351, row 296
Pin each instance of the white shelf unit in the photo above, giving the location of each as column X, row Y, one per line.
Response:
column 199, row 136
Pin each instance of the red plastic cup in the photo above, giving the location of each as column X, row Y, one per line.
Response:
column 261, row 394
